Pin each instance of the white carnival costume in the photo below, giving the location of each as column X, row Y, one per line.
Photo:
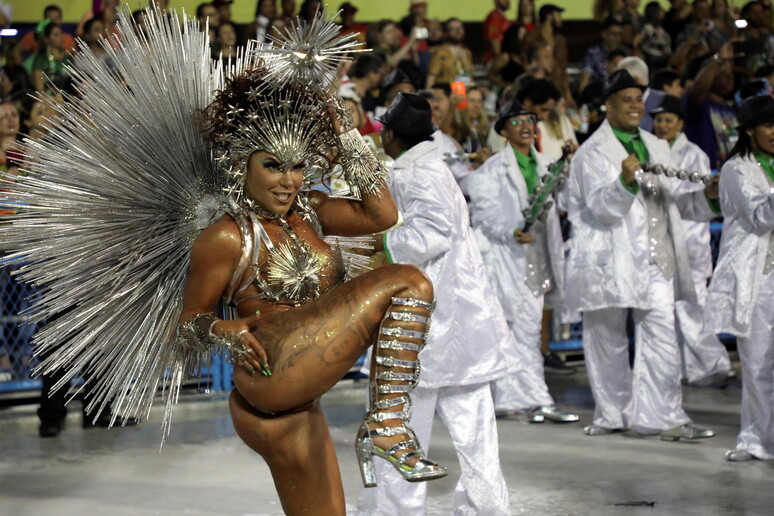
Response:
column 629, row 253
column 703, row 355
column 521, row 274
column 468, row 345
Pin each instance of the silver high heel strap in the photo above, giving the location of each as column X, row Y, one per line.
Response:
column 397, row 377
column 410, row 301
column 394, row 362
column 393, row 402
column 407, row 317
column 400, row 332
column 397, row 345
column 401, row 446
column 395, row 389
column 378, row 417
column 388, row 431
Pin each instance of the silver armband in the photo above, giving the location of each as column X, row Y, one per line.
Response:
column 196, row 334
column 362, row 170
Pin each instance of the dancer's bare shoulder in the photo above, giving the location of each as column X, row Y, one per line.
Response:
column 221, row 241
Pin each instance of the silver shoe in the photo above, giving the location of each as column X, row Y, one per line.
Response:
column 739, row 456
column 687, row 432
column 594, row 430
column 551, row 413
column 395, row 373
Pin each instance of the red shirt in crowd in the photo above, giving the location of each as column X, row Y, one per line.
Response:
column 495, row 26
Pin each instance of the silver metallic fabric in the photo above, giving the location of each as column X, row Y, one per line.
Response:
column 747, row 202
column 647, row 398
column 454, row 158
column 703, row 355
column 608, row 263
column 757, row 433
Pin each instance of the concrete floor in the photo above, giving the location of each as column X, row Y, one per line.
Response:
column 204, row 468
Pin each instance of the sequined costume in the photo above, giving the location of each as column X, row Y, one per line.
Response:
column 629, row 252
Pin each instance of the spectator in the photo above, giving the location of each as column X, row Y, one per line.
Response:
column 452, row 61
column 766, row 72
column 604, row 9
column 265, row 12
column 366, row 74
column 669, row 82
column 756, row 40
column 525, row 18
column 495, row 25
column 288, row 10
column 93, row 31
column 49, row 58
column 677, row 18
column 417, row 16
column 556, row 132
column 701, row 24
column 28, row 44
column 477, row 116
column 385, row 37
column 723, row 19
column 394, row 82
column 106, row 9
column 349, row 25
column 508, row 65
column 15, row 83
column 594, row 60
column 10, row 158
column 6, row 15
column 308, row 10
column 710, row 120
column 208, row 17
column 224, row 10
column 652, row 40
column 226, row 41
column 550, row 17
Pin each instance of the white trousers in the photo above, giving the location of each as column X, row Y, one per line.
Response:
column 525, row 388
column 702, row 353
column 468, row 414
column 757, row 358
column 647, row 399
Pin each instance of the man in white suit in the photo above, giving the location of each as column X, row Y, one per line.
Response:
column 522, row 265
column 468, row 344
column 629, row 254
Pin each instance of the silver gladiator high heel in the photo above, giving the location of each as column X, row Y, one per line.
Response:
column 392, row 378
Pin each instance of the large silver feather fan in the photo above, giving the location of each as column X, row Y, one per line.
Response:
column 112, row 201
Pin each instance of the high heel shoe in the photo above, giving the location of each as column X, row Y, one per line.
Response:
column 390, row 400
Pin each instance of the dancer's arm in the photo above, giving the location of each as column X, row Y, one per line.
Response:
column 214, row 258
column 347, row 217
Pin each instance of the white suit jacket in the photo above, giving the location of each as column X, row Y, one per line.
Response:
column 689, row 156
column 747, row 202
column 469, row 339
column 498, row 196
column 608, row 263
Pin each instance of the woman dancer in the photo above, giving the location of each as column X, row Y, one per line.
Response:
column 267, row 256
column 114, row 203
